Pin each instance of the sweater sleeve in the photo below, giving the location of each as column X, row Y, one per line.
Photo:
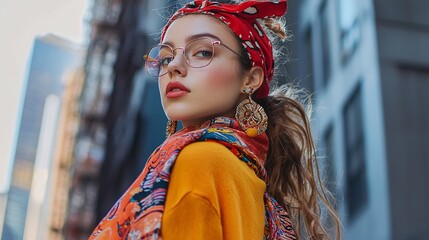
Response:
column 213, row 195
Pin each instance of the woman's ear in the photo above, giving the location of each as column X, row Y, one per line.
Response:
column 254, row 78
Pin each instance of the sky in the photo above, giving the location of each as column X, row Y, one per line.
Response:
column 20, row 22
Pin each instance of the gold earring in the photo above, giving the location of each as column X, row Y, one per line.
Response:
column 251, row 116
column 171, row 128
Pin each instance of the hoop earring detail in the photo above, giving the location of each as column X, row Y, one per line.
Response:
column 171, row 128
column 251, row 116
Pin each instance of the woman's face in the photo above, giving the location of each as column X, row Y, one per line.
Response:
column 207, row 92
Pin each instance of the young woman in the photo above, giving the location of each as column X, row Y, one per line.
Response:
column 243, row 166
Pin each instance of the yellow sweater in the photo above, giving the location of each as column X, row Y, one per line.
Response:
column 213, row 195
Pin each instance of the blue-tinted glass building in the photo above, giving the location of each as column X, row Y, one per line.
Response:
column 51, row 59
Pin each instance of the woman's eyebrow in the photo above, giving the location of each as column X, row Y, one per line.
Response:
column 193, row 37
column 200, row 35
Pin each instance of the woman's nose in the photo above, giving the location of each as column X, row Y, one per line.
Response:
column 178, row 64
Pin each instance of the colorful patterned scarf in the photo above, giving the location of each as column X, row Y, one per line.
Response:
column 138, row 212
column 242, row 20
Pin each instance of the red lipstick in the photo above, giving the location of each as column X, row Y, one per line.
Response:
column 176, row 89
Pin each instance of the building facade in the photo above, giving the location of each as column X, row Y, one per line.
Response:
column 29, row 197
column 63, row 163
column 366, row 63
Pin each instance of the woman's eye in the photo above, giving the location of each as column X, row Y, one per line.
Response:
column 165, row 60
column 203, row 53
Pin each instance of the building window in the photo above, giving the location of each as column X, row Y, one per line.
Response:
column 325, row 43
column 308, row 54
column 356, row 185
column 349, row 27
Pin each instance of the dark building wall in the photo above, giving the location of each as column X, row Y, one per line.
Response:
column 130, row 120
column 133, row 132
column 403, row 35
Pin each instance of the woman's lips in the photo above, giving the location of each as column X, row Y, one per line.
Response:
column 176, row 89
column 176, row 93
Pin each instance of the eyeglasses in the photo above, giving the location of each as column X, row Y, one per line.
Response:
column 198, row 54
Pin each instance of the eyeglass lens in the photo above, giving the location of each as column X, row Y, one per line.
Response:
column 198, row 53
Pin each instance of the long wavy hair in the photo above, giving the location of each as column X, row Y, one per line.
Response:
column 292, row 167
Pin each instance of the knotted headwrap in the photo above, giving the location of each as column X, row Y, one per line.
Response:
column 241, row 19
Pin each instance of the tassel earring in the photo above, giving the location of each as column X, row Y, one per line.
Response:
column 171, row 128
column 251, row 116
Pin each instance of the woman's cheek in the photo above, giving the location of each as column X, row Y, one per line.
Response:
column 162, row 84
column 224, row 76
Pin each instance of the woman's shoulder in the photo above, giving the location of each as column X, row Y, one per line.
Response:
column 210, row 158
column 206, row 149
column 208, row 155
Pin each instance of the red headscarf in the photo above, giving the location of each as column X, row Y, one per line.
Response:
column 241, row 19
